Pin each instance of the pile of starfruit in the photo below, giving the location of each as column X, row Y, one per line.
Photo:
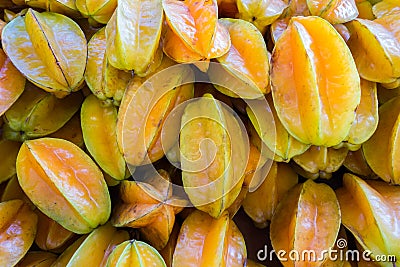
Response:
column 203, row 133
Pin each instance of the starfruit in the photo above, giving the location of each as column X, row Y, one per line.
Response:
column 99, row 123
column 67, row 254
column 139, row 125
column 168, row 251
column 308, row 217
column 105, row 81
column 343, row 31
column 278, row 27
column 375, row 49
column 14, row 191
column 37, row 259
column 365, row 10
column 49, row 49
column 336, row 11
column 135, row 253
column 71, row 131
column 149, row 207
column 9, row 15
column 194, row 31
column 8, row 157
column 37, row 114
column 382, row 149
column 392, row 24
column 12, row 83
column 356, row 163
column 18, row 229
column 296, row 8
column 66, row 7
column 213, row 155
column 96, row 11
column 366, row 120
column 371, row 213
column 284, row 145
column 278, row 181
column 97, row 246
column 260, row 13
column 256, row 170
column 258, row 164
column 76, row 195
column 50, row 235
column 386, row 7
column 133, row 34
column 246, row 60
column 205, row 241
column 314, row 110
column 320, row 161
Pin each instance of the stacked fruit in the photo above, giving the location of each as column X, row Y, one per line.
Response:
column 133, row 131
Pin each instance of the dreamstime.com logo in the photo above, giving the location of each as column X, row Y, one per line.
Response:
column 224, row 136
column 340, row 253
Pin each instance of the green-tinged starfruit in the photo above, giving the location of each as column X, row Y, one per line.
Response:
column 49, row 49
column 37, row 113
column 99, row 124
column 105, row 81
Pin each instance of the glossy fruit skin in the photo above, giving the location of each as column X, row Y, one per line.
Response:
column 375, row 49
column 37, row 114
column 51, row 235
column 12, row 83
column 205, row 241
column 42, row 39
column 105, row 81
column 302, row 103
column 96, row 11
column 65, row 7
column 356, row 163
column 97, row 246
column 280, row 179
column 260, row 13
column 292, row 229
column 62, row 169
column 188, row 38
column 212, row 188
column 135, row 253
column 139, row 126
column 63, row 259
column 18, row 228
column 381, row 149
column 320, row 161
column 246, row 60
column 99, row 123
column 126, row 48
column 370, row 212
column 283, row 144
column 337, row 11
